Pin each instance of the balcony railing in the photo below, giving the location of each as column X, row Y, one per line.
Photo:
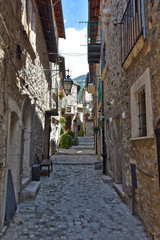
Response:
column 94, row 42
column 132, row 26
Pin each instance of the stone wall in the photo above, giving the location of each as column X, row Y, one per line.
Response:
column 122, row 150
column 89, row 127
column 24, row 83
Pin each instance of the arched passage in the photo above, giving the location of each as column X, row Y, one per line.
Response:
column 26, row 138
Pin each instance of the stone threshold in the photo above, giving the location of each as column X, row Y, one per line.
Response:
column 74, row 154
column 74, row 164
column 107, row 179
column 3, row 231
column 25, row 182
column 31, row 191
column 119, row 190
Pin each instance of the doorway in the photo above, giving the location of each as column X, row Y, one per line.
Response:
column 26, row 139
column 117, row 150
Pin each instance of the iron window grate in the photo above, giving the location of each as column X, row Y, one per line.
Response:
column 142, row 113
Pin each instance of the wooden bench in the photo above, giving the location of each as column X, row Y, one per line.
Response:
column 44, row 163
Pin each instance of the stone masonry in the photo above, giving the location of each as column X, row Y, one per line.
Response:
column 123, row 147
column 74, row 203
column 24, row 95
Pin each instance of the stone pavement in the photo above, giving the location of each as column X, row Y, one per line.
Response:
column 75, row 204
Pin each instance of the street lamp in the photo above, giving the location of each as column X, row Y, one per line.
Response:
column 68, row 85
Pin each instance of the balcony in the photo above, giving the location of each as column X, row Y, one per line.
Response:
column 94, row 42
column 132, row 27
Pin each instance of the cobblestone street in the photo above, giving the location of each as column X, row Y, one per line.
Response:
column 75, row 204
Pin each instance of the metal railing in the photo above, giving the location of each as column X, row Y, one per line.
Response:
column 132, row 27
column 94, row 32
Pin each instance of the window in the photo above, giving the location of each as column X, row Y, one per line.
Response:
column 68, row 109
column 132, row 27
column 141, row 107
column 142, row 113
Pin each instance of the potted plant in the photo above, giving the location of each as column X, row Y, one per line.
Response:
column 63, row 110
column 61, row 93
column 95, row 129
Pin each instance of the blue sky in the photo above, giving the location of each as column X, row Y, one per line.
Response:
column 74, row 11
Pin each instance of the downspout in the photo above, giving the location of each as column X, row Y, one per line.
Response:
column 143, row 20
column 33, row 131
column 104, row 154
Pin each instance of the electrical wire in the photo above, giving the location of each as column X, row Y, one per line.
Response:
column 71, row 54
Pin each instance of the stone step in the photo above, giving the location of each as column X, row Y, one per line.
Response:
column 30, row 191
column 107, row 179
column 25, row 182
column 119, row 189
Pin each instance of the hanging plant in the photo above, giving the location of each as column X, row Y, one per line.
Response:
column 61, row 93
column 63, row 110
column 95, row 129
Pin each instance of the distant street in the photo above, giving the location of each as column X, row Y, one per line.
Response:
column 75, row 204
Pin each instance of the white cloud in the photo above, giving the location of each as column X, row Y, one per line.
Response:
column 75, row 55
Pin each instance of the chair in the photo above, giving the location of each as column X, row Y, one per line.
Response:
column 44, row 163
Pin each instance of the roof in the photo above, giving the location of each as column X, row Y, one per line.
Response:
column 58, row 11
column 46, row 16
column 94, row 10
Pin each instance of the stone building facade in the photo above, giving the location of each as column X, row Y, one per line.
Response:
column 88, row 121
column 70, row 104
column 130, row 62
column 25, row 94
column 93, row 81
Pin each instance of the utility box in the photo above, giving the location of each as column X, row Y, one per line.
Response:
column 36, row 172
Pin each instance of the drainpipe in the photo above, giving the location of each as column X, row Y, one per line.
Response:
column 143, row 20
column 104, row 153
column 33, row 131
column 157, row 132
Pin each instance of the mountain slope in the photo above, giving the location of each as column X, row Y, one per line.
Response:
column 81, row 81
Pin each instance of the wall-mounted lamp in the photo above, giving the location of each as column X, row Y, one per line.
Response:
column 116, row 21
column 68, row 85
column 1, row 165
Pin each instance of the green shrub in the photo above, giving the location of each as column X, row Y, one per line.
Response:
column 63, row 120
column 81, row 134
column 71, row 133
column 74, row 142
column 65, row 141
column 62, row 131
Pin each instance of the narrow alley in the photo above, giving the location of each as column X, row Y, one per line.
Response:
column 75, row 204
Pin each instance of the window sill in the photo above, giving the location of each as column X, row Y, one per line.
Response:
column 105, row 70
column 134, row 52
column 142, row 138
